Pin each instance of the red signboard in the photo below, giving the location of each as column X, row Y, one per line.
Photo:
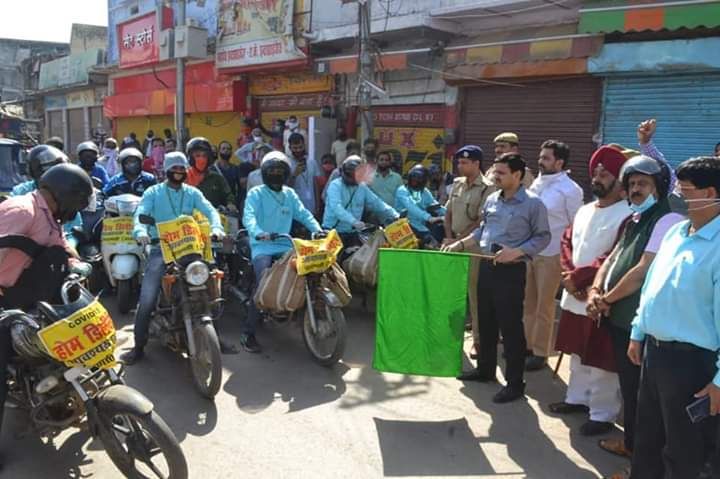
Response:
column 418, row 116
column 138, row 39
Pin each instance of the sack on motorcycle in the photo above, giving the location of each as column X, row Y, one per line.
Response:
column 336, row 281
column 281, row 289
column 362, row 266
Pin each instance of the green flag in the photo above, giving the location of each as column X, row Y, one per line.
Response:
column 420, row 318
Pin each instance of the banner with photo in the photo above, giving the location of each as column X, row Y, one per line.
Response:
column 255, row 32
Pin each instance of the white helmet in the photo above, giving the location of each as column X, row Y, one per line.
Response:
column 175, row 158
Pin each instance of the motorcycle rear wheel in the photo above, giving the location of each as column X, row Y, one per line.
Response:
column 206, row 366
column 331, row 328
column 132, row 441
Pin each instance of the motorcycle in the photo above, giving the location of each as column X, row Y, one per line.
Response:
column 183, row 318
column 89, row 244
column 62, row 382
column 324, row 326
column 123, row 258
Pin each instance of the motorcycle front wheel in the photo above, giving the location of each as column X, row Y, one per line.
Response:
column 327, row 344
column 124, row 295
column 141, row 446
column 206, row 366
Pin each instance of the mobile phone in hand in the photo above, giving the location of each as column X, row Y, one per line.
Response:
column 698, row 409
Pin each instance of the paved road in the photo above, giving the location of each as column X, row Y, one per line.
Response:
column 279, row 415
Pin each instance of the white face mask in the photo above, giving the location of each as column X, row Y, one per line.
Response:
column 257, row 139
column 292, row 125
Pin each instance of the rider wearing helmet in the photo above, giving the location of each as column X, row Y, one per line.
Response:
column 164, row 202
column 40, row 159
column 421, row 206
column 347, row 200
column 207, row 179
column 270, row 208
column 87, row 155
column 131, row 179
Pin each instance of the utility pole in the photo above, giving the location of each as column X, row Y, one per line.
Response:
column 366, row 68
column 180, row 85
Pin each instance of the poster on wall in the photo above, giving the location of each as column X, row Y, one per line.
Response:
column 255, row 32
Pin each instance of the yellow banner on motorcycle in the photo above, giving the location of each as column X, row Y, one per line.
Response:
column 400, row 235
column 85, row 338
column 204, row 224
column 180, row 237
column 117, row 230
column 315, row 256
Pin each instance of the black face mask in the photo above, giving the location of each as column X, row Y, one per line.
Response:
column 225, row 156
column 177, row 179
column 275, row 182
column 87, row 163
column 133, row 168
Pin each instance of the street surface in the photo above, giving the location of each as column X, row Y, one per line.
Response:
column 279, row 415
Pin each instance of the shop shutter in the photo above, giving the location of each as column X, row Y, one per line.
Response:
column 687, row 108
column 76, row 130
column 567, row 110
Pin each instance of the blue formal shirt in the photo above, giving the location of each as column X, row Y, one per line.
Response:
column 164, row 204
column 520, row 222
column 344, row 205
column 120, row 184
column 268, row 211
column 680, row 299
column 416, row 203
column 30, row 186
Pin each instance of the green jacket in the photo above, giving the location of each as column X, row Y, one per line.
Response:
column 216, row 189
column 632, row 244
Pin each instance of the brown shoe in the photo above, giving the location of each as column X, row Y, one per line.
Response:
column 615, row 446
column 474, row 351
column 621, row 474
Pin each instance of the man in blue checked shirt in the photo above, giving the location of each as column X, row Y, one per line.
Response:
column 676, row 335
column 131, row 178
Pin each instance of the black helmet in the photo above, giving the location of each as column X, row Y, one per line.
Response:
column 349, row 170
column 56, row 142
column 418, row 177
column 199, row 143
column 87, row 154
column 645, row 165
column 275, row 170
column 131, row 154
column 70, row 187
column 42, row 157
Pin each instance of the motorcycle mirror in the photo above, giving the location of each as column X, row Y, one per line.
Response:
column 146, row 220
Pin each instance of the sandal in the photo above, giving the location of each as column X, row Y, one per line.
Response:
column 615, row 446
column 621, row 474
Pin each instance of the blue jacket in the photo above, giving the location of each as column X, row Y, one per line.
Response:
column 416, row 204
column 268, row 211
column 30, row 186
column 164, row 204
column 119, row 184
column 344, row 205
column 101, row 174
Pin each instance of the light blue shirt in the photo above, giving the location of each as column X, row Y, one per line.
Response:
column 345, row 204
column 164, row 204
column 30, row 186
column 680, row 299
column 520, row 222
column 416, row 203
column 268, row 211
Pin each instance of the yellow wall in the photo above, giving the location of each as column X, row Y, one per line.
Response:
column 213, row 126
column 414, row 145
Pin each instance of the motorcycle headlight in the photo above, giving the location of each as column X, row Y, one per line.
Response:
column 197, row 273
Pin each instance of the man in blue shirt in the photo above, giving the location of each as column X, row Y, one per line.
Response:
column 131, row 179
column 514, row 228
column 422, row 208
column 163, row 202
column 346, row 201
column 270, row 208
column 87, row 155
column 678, row 321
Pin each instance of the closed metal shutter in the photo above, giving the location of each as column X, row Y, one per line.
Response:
column 687, row 108
column 566, row 110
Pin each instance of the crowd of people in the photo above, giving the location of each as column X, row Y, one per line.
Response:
column 640, row 303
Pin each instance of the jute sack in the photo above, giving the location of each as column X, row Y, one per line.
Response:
column 362, row 266
column 336, row 281
column 281, row 289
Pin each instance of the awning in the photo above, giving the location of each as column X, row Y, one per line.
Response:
column 633, row 15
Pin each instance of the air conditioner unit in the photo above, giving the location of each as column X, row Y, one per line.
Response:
column 190, row 42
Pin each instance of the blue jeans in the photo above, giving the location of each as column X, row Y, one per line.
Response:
column 149, row 291
column 260, row 264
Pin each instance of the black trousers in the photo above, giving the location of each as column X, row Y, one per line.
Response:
column 629, row 376
column 667, row 444
column 501, row 292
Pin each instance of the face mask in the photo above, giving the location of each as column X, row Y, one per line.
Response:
column 292, row 125
column 87, row 164
column 225, row 156
column 133, row 168
column 201, row 164
column 177, row 178
column 110, row 153
column 644, row 206
column 714, row 202
column 257, row 139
